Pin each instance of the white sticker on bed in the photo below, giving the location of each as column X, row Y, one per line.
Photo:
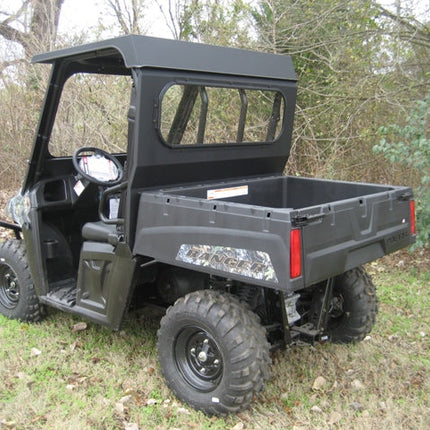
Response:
column 223, row 193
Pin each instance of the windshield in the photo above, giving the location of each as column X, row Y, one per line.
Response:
column 92, row 112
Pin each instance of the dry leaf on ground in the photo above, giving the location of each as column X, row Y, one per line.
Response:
column 319, row 383
column 35, row 352
column 80, row 326
column 335, row 417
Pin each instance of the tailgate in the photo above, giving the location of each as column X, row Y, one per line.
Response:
column 345, row 234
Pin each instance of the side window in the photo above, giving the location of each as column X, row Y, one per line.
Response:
column 92, row 112
column 196, row 114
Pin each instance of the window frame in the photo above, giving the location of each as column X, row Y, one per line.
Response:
column 75, row 75
column 228, row 84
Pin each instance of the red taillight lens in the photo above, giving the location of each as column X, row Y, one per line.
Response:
column 295, row 253
column 413, row 228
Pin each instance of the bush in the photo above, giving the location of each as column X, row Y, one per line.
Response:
column 409, row 145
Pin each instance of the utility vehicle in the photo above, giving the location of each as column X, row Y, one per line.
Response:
column 160, row 180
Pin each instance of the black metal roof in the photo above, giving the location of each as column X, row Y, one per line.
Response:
column 142, row 51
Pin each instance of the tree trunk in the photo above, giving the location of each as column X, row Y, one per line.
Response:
column 42, row 31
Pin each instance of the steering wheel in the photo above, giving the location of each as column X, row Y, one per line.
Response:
column 102, row 154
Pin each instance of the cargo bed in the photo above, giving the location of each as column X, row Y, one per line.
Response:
column 285, row 191
column 342, row 224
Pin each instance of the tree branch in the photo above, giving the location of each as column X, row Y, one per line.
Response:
column 415, row 26
column 5, row 64
column 14, row 35
column 116, row 7
column 17, row 14
column 169, row 20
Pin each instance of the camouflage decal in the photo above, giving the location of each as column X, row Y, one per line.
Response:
column 18, row 208
column 244, row 262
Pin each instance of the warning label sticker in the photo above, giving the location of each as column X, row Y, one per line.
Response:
column 224, row 193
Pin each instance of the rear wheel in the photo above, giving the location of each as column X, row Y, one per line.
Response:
column 213, row 352
column 353, row 307
column 18, row 299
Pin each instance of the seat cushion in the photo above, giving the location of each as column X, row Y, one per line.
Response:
column 99, row 231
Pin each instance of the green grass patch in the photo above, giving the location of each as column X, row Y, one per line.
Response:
column 99, row 379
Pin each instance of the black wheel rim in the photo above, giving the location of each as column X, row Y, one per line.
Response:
column 336, row 309
column 198, row 358
column 9, row 287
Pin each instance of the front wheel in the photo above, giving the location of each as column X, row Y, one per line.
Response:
column 18, row 299
column 213, row 352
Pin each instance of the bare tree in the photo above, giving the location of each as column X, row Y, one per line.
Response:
column 410, row 28
column 128, row 13
column 33, row 24
column 177, row 15
column 359, row 68
column 209, row 21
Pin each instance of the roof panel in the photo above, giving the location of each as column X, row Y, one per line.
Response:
column 144, row 51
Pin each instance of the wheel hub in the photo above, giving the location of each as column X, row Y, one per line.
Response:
column 202, row 357
column 336, row 309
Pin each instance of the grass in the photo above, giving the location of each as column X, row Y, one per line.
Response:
column 98, row 379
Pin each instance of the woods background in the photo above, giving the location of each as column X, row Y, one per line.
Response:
column 362, row 114
column 363, row 66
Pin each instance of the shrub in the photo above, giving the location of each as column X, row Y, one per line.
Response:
column 409, row 145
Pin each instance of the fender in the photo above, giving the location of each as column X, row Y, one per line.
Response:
column 251, row 257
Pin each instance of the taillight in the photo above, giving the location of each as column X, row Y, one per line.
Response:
column 413, row 228
column 295, row 253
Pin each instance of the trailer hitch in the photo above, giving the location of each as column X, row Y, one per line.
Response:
column 311, row 332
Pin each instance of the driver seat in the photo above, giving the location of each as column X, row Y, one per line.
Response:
column 100, row 232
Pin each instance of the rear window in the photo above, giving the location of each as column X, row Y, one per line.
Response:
column 197, row 115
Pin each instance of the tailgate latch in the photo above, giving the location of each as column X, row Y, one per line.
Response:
column 302, row 220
